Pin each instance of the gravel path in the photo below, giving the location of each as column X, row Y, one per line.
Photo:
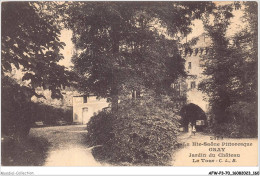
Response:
column 67, row 146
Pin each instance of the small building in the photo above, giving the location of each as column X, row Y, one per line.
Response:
column 84, row 107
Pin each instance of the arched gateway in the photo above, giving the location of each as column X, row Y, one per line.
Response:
column 193, row 114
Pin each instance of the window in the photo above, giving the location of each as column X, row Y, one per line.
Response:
column 85, row 109
column 189, row 66
column 192, row 85
column 85, row 99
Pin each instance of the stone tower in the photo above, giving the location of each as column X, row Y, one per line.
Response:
column 188, row 87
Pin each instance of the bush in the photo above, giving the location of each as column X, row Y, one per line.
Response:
column 50, row 115
column 99, row 128
column 31, row 151
column 16, row 109
column 244, row 116
column 142, row 132
column 242, row 121
column 19, row 113
column 226, row 130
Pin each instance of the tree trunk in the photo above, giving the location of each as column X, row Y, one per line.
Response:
column 114, row 103
column 114, row 88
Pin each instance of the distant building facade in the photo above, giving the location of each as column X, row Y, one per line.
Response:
column 195, row 105
column 188, row 87
column 84, row 107
column 195, row 71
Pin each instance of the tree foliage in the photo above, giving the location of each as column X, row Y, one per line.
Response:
column 125, row 46
column 232, row 68
column 246, row 45
column 15, row 115
column 120, row 47
column 31, row 45
column 30, row 42
column 218, row 65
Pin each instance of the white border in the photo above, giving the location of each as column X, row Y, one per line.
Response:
column 123, row 170
column 126, row 170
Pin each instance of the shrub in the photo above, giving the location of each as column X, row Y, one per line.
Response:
column 50, row 115
column 16, row 109
column 99, row 128
column 142, row 132
column 244, row 116
column 242, row 121
column 226, row 130
column 31, row 151
column 18, row 112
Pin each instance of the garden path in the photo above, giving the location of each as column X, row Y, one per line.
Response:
column 67, row 146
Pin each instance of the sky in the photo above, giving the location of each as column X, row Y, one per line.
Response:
column 235, row 26
column 67, row 52
column 197, row 30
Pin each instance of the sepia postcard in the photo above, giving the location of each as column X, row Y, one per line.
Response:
column 129, row 83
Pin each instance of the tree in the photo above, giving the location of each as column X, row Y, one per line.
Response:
column 126, row 46
column 232, row 69
column 246, row 45
column 218, row 63
column 119, row 46
column 244, row 109
column 30, row 43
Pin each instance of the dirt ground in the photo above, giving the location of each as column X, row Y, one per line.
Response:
column 67, row 146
